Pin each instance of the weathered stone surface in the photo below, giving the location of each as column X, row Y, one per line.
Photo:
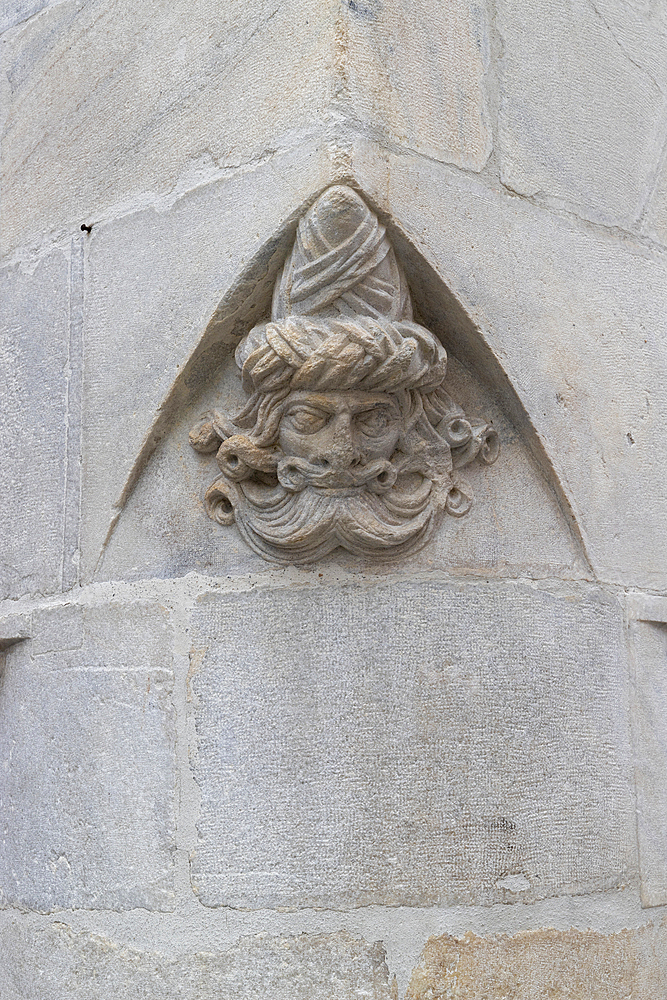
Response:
column 34, row 334
column 649, row 729
column 582, row 104
column 155, row 280
column 164, row 102
column 577, row 321
column 142, row 103
column 414, row 74
column 516, row 528
column 349, row 437
column 411, row 743
column 14, row 11
column 54, row 962
column 562, row 965
column 655, row 219
column 87, row 771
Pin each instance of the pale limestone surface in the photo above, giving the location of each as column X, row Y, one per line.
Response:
column 582, row 123
column 516, row 152
column 163, row 104
column 164, row 531
column 87, row 768
column 145, row 332
column 138, row 102
column 577, row 321
column 34, row 344
column 353, row 749
column 15, row 11
column 414, row 74
column 655, row 218
column 649, row 729
column 54, row 962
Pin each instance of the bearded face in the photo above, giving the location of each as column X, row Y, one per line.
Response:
column 348, row 437
column 340, row 480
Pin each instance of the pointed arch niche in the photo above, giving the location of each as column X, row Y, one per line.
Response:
column 520, row 526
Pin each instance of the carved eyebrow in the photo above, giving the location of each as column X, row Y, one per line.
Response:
column 380, row 404
column 313, row 403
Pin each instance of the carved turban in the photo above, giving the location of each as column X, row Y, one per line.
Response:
column 341, row 313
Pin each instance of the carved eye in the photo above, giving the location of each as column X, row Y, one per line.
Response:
column 306, row 419
column 374, row 423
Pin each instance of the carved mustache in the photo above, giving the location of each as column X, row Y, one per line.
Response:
column 297, row 473
column 238, row 458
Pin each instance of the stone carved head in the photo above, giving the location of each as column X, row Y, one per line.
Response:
column 348, row 437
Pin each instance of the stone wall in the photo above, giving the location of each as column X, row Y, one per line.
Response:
column 440, row 775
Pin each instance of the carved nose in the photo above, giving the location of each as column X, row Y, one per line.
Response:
column 339, row 452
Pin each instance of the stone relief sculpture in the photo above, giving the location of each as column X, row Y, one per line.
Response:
column 349, row 437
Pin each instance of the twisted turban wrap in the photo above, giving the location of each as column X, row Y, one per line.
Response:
column 341, row 315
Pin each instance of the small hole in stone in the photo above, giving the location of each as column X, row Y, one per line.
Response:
column 225, row 505
column 232, row 461
column 85, row 228
column 383, row 477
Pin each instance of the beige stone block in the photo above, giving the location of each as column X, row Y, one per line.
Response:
column 87, row 769
column 110, row 99
column 562, row 965
column 582, row 104
column 414, row 74
column 409, row 744
column 53, row 962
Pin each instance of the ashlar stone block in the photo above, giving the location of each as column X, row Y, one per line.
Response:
column 87, row 771
column 410, row 744
column 576, row 320
column 582, row 105
column 53, row 962
column 649, row 729
column 34, row 345
column 588, row 965
column 414, row 75
column 142, row 103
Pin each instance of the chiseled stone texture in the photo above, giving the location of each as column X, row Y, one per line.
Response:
column 649, row 732
column 583, row 90
column 655, row 219
column 577, row 321
column 561, row 965
column 14, row 11
column 415, row 75
column 87, row 773
column 34, row 334
column 140, row 101
column 54, row 962
column 410, row 743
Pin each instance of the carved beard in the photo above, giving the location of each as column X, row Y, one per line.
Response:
column 289, row 527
